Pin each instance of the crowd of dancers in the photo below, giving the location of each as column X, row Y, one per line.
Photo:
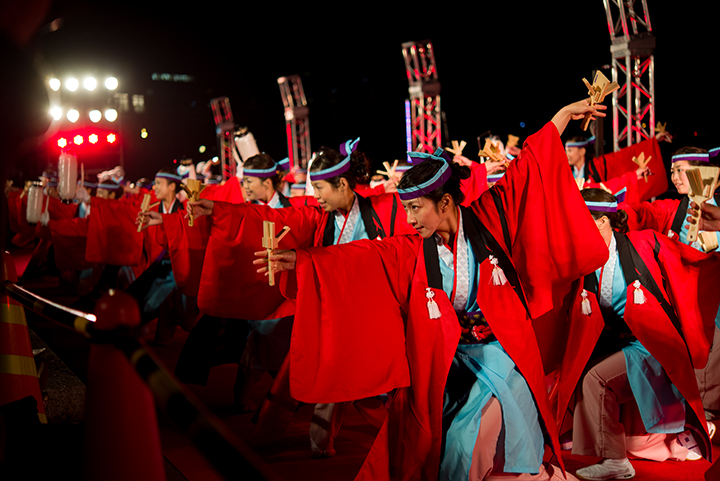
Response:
column 478, row 314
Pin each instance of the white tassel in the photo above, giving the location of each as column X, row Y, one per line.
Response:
column 498, row 276
column 585, row 304
column 638, row 295
column 433, row 309
column 671, row 234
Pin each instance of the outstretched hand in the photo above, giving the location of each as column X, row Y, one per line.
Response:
column 577, row 111
column 709, row 218
column 200, row 207
column 149, row 218
column 280, row 260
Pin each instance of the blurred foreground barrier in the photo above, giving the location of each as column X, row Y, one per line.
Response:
column 115, row 328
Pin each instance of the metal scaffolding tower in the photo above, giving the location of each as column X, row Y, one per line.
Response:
column 633, row 68
column 297, row 123
column 424, row 116
column 225, row 129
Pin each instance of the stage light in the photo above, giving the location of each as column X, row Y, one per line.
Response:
column 62, row 142
column 111, row 83
column 215, row 160
column 73, row 115
column 201, row 149
column 111, row 138
column 54, row 84
column 56, row 113
column 78, row 140
column 93, row 138
column 143, row 133
column 90, row 83
column 95, row 116
column 72, row 84
column 111, row 115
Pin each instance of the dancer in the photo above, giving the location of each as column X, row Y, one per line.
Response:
column 456, row 337
column 638, row 323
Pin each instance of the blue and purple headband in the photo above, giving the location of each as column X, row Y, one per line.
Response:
column 280, row 166
column 714, row 152
column 92, row 185
column 607, row 206
column 165, row 175
column 346, row 149
column 111, row 186
column 495, row 177
column 297, row 186
column 213, row 180
column 582, row 143
column 437, row 180
column 692, row 157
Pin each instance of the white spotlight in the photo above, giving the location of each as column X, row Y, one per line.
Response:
column 111, row 83
column 73, row 115
column 72, row 84
column 54, row 84
column 111, row 115
column 90, row 83
column 95, row 116
column 56, row 113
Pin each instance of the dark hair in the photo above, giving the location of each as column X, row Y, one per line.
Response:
column 426, row 170
column 618, row 220
column 693, row 150
column 264, row 161
column 589, row 153
column 172, row 171
column 359, row 172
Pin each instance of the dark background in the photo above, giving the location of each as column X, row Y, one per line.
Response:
column 499, row 64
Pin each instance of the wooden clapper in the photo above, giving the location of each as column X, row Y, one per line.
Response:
column 457, row 147
column 144, row 207
column 192, row 189
column 702, row 185
column 642, row 162
column 492, row 152
column 270, row 242
column 600, row 88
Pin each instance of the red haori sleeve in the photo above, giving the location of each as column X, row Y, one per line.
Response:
column 341, row 352
column 186, row 246
column 657, row 216
column 69, row 237
column 367, row 191
column 553, row 237
column 112, row 234
column 303, row 201
column 230, row 192
column 620, row 162
column 229, row 285
column 391, row 213
column 689, row 280
column 475, row 185
column 58, row 210
column 151, row 247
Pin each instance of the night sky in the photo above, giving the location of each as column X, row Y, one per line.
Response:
column 499, row 64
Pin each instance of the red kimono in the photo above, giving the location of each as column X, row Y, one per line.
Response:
column 534, row 221
column 661, row 216
column 69, row 237
column 228, row 271
column 674, row 324
column 611, row 167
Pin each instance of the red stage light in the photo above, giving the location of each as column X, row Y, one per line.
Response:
column 62, row 142
column 93, row 138
column 111, row 138
column 78, row 139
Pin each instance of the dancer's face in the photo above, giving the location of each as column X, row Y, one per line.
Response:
column 257, row 188
column 423, row 215
column 679, row 177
